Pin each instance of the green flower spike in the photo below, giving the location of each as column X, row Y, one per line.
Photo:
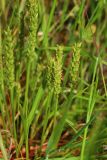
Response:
column 1, row 64
column 32, row 8
column 8, row 59
column 75, row 63
column 54, row 71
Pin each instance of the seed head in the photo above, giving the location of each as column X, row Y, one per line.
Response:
column 1, row 65
column 18, row 89
column 75, row 64
column 32, row 8
column 8, row 59
column 50, row 73
column 54, row 73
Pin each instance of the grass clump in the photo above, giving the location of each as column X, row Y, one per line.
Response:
column 53, row 80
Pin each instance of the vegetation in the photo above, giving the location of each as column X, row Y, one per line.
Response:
column 53, row 79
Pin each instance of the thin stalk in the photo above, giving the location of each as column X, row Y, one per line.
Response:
column 1, row 79
column 27, row 142
column 46, row 118
column 2, row 112
column 13, row 112
column 25, row 106
column 103, row 79
column 26, row 109
column 65, row 7
column 55, row 109
column 45, row 41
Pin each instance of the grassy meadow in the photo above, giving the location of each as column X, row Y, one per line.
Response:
column 53, row 80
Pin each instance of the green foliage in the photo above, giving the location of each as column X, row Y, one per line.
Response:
column 53, row 79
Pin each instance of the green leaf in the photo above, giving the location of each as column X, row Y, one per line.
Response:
column 35, row 105
column 55, row 136
column 71, row 158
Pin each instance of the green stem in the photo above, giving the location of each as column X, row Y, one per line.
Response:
column 26, row 109
column 46, row 118
column 45, row 41
column 55, row 109
column 13, row 112
column 27, row 143
column 25, row 106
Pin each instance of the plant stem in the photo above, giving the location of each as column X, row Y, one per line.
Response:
column 55, row 109
column 26, row 108
column 13, row 113
column 46, row 118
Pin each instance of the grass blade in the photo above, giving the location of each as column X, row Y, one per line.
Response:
column 35, row 106
column 55, row 136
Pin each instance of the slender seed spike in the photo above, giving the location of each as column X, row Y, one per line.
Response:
column 8, row 59
column 18, row 89
column 32, row 8
column 54, row 72
column 75, row 64
column 1, row 64
column 58, row 70
column 50, row 71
